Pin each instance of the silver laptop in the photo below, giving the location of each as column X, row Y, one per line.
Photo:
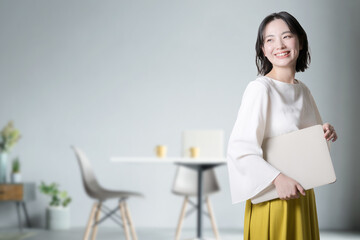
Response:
column 302, row 155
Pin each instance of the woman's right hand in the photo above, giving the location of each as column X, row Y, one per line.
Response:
column 287, row 188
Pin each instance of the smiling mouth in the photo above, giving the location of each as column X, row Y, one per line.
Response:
column 282, row 54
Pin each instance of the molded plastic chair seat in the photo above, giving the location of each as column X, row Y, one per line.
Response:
column 94, row 190
column 105, row 194
column 185, row 183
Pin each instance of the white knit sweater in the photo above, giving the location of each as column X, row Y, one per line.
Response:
column 269, row 108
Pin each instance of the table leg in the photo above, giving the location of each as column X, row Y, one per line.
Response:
column 200, row 168
column 26, row 215
column 199, row 205
column 19, row 215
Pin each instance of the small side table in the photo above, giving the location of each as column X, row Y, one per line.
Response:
column 19, row 193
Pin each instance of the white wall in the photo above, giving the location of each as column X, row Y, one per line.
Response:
column 117, row 78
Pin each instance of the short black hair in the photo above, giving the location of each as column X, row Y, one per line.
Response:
column 263, row 65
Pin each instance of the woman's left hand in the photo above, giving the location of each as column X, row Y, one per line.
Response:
column 330, row 133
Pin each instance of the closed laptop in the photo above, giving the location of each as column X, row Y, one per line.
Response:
column 302, row 155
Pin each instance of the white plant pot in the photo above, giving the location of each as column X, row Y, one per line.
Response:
column 16, row 178
column 57, row 218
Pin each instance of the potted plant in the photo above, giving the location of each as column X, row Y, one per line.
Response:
column 57, row 213
column 9, row 136
column 15, row 172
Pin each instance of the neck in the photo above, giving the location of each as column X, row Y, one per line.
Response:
column 286, row 75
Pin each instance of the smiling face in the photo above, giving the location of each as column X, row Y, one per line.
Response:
column 281, row 46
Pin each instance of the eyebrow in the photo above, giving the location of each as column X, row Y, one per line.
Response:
column 281, row 34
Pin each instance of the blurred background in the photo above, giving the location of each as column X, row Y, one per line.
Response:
column 117, row 78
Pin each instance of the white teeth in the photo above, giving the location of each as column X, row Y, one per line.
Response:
column 282, row 54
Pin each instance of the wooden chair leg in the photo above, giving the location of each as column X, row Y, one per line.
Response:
column 182, row 215
column 90, row 221
column 132, row 228
column 123, row 217
column 97, row 216
column 212, row 219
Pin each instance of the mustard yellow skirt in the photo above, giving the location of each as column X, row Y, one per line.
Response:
column 277, row 219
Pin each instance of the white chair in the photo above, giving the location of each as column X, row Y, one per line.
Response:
column 210, row 144
column 94, row 190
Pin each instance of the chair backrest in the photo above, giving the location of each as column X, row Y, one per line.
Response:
column 91, row 185
column 210, row 144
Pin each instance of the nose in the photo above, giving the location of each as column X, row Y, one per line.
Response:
column 280, row 44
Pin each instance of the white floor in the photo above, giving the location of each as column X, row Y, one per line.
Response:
column 105, row 233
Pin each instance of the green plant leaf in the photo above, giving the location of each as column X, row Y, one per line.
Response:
column 57, row 197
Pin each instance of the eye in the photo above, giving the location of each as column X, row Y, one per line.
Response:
column 269, row 40
column 287, row 36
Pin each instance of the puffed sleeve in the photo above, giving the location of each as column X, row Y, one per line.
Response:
column 249, row 173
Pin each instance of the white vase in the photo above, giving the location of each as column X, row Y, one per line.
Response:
column 16, row 178
column 57, row 218
column 3, row 167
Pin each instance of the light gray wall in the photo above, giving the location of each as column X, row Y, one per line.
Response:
column 117, row 78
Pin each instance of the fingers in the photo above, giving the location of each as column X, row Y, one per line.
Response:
column 294, row 194
column 289, row 197
column 301, row 189
column 287, row 188
column 326, row 126
column 333, row 136
column 329, row 132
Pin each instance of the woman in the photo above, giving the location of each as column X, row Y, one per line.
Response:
column 274, row 104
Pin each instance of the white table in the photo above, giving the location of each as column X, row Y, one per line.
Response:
column 198, row 164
